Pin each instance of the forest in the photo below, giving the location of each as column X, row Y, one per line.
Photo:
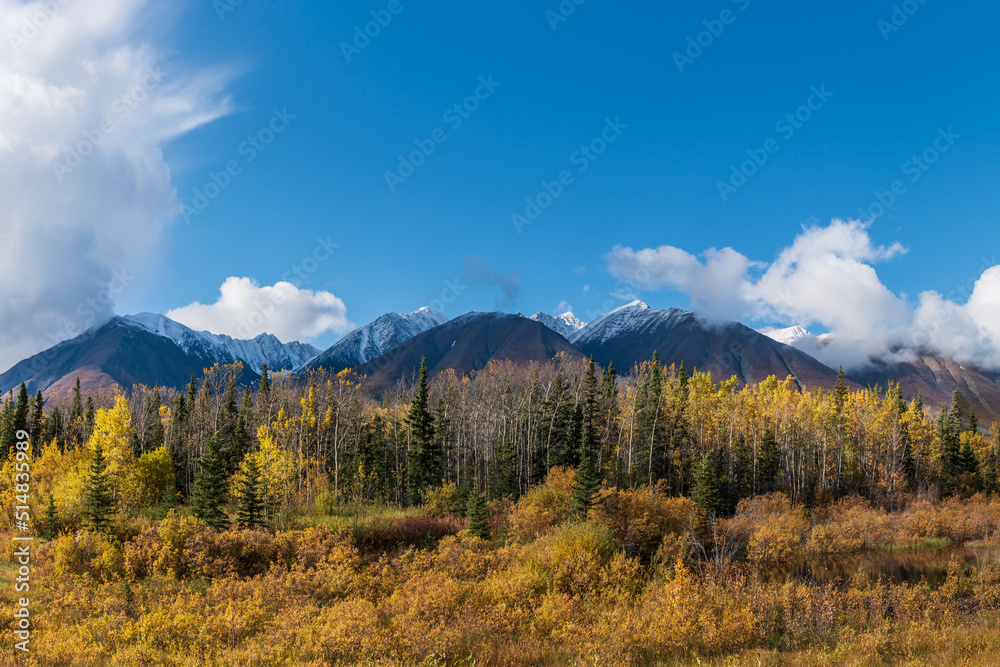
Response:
column 554, row 513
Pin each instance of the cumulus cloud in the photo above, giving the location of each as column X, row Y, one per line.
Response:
column 826, row 277
column 245, row 310
column 86, row 102
column 563, row 307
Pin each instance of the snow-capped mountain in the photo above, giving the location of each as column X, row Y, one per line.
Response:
column 788, row 335
column 254, row 353
column 468, row 343
column 632, row 333
column 377, row 338
column 147, row 349
column 565, row 325
column 636, row 317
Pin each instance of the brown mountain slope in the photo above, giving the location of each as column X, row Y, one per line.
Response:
column 465, row 344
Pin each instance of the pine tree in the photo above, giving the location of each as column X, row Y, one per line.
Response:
column 475, row 514
column 422, row 466
column 251, row 502
column 21, row 420
column 585, row 486
column 99, row 504
column 51, row 528
column 768, row 464
column 990, row 473
column 209, row 493
column 37, row 425
column 506, row 471
column 706, row 492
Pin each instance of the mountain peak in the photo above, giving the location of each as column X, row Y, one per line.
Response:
column 637, row 304
column 788, row 335
column 565, row 325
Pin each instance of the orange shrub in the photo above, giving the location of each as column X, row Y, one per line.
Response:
column 640, row 518
column 544, row 507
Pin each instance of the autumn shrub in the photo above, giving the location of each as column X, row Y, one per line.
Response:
column 572, row 557
column 441, row 501
column 544, row 507
column 640, row 518
column 84, row 552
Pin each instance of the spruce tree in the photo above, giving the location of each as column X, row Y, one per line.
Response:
column 250, row 495
column 21, row 410
column 209, row 493
column 768, row 464
column 506, row 471
column 990, row 473
column 37, row 424
column 51, row 526
column 88, row 417
column 99, row 504
column 585, row 486
column 475, row 514
column 423, row 462
column 706, row 492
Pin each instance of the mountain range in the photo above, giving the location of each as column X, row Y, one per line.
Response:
column 153, row 349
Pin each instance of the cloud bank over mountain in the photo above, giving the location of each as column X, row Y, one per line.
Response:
column 86, row 101
column 826, row 278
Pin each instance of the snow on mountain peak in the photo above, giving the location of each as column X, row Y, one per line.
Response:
column 264, row 349
column 788, row 335
column 565, row 325
column 635, row 316
column 378, row 337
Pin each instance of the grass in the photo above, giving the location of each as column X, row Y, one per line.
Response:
column 926, row 544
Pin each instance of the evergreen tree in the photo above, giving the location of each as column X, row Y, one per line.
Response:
column 250, row 495
column 506, row 471
column 968, row 461
column 990, row 473
column 88, row 417
column 768, row 464
column 51, row 526
column 209, row 493
column 707, row 492
column 21, row 410
column 585, row 485
column 76, row 411
column 590, row 412
column 475, row 514
column 37, row 423
column 741, row 477
column 973, row 426
column 423, row 461
column 99, row 504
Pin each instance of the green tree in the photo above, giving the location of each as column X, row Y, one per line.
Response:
column 990, row 473
column 768, row 464
column 585, row 486
column 209, row 495
column 506, row 471
column 707, row 489
column 51, row 526
column 475, row 514
column 99, row 503
column 250, row 513
column 423, row 459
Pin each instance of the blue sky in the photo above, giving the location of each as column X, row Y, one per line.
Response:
column 559, row 82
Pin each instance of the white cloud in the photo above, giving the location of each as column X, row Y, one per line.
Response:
column 245, row 310
column 563, row 307
column 86, row 102
column 826, row 277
